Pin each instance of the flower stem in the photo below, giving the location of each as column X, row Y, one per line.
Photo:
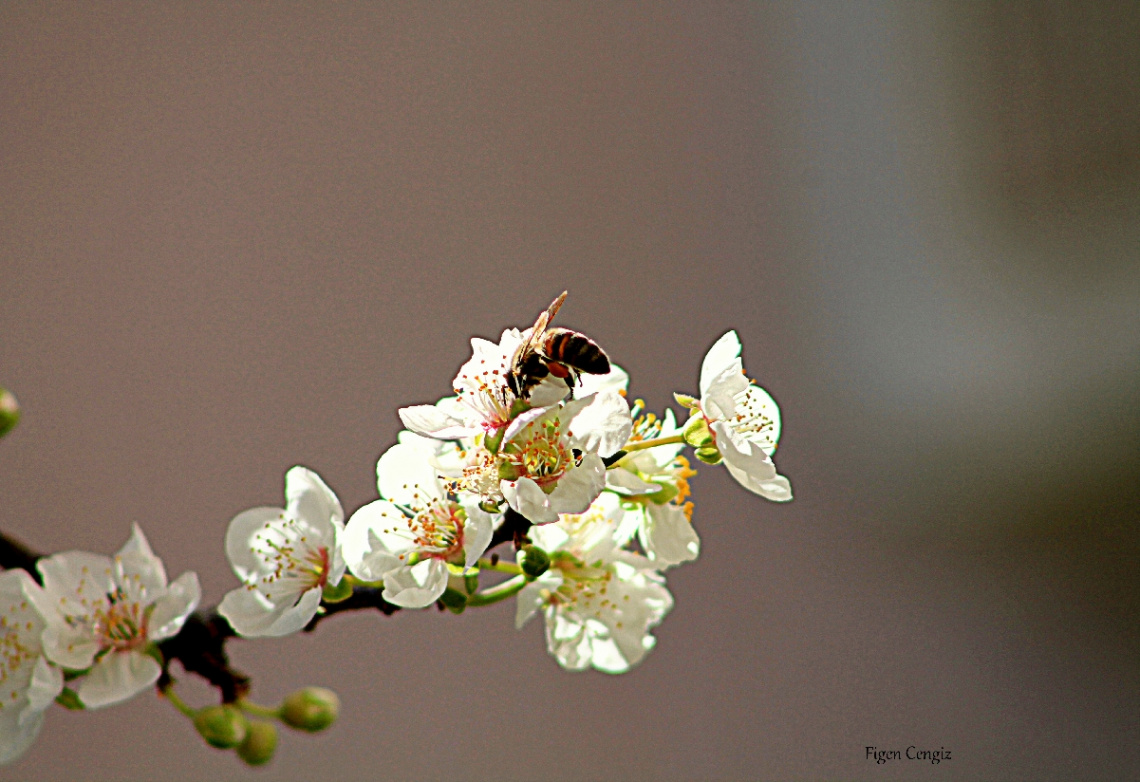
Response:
column 502, row 567
column 641, row 445
column 497, row 593
column 257, row 710
column 178, row 703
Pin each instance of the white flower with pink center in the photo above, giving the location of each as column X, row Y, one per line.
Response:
column 28, row 684
column 285, row 558
column 744, row 420
column 103, row 614
column 409, row 539
column 550, row 460
column 599, row 601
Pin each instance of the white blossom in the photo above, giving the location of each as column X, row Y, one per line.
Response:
column 551, row 460
column 103, row 613
column 599, row 602
column 285, row 558
column 744, row 420
column 484, row 403
column 409, row 538
column 28, row 684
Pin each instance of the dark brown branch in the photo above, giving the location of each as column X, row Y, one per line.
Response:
column 514, row 528
column 16, row 556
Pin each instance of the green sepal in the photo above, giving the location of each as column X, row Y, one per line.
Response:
column 696, row 432
column 69, row 699
column 709, row 454
column 154, row 652
column 336, row 594
column 493, row 442
column 471, row 581
column 518, row 407
column 535, row 562
column 668, row 491
column 453, row 600
column 686, row 400
column 9, row 411
column 508, row 471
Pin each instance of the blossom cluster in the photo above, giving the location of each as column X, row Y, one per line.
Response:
column 537, row 445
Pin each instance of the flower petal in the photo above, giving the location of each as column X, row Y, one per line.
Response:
column 312, row 502
column 405, row 476
column 136, row 562
column 603, row 426
column 430, row 421
column 418, row 586
column 240, row 550
column 477, row 533
column 172, row 609
column 117, row 677
column 723, row 356
column 252, row 615
column 667, row 535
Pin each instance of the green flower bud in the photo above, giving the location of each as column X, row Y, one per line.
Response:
column 223, row 727
column 335, row 594
column 312, row 709
column 696, row 432
column 709, row 454
column 535, row 562
column 260, row 743
column 9, row 411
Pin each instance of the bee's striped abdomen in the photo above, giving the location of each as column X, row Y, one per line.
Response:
column 575, row 350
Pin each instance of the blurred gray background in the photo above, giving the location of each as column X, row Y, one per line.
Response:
column 236, row 237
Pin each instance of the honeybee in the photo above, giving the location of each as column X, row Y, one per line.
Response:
column 559, row 352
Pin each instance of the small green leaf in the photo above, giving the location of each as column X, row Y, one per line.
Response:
column 336, row 594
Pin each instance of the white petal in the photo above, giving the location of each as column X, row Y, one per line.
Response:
column 477, row 533
column 252, row 616
column 527, row 603
column 405, row 476
column 46, row 683
column 580, row 486
column 667, row 535
column 617, row 379
column 16, row 735
column 117, row 677
column 603, row 426
column 418, row 586
column 313, row 502
column 777, row 488
column 172, row 609
column 629, row 485
column 722, row 356
column 239, row 540
column 523, row 420
column 135, row 561
column 391, row 528
column 71, row 647
column 550, row 391
column 525, row 496
column 430, row 421
column 76, row 575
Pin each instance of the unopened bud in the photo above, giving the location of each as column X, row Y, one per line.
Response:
column 260, row 743
column 312, row 709
column 223, row 727
column 9, row 411
column 696, row 432
column 535, row 561
column 709, row 454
